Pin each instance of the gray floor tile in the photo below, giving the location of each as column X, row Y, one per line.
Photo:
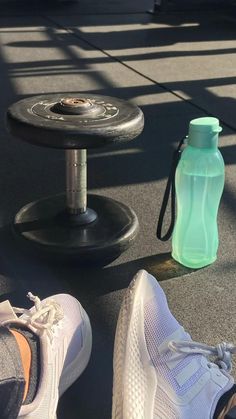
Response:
column 191, row 55
column 167, row 73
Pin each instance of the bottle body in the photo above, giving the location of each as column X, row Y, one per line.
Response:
column 199, row 183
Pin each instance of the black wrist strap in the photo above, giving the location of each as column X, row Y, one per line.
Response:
column 170, row 188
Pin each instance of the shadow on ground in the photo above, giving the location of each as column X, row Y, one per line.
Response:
column 39, row 55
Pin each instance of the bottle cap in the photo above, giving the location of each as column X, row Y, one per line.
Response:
column 203, row 132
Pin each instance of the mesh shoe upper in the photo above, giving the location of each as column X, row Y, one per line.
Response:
column 65, row 337
column 157, row 373
column 190, row 385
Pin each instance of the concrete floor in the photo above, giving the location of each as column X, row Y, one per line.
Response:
column 176, row 66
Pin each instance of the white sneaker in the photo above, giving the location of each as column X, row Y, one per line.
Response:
column 65, row 337
column 159, row 372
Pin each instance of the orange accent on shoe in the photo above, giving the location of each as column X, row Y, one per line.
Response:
column 26, row 356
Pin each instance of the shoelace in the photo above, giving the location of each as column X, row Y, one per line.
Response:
column 223, row 351
column 46, row 314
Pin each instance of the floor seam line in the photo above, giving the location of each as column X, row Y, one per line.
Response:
column 162, row 86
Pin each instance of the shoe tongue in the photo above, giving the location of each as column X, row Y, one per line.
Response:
column 9, row 317
column 6, row 312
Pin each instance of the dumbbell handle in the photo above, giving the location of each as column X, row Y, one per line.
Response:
column 76, row 181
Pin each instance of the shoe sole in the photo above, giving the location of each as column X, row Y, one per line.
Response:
column 134, row 384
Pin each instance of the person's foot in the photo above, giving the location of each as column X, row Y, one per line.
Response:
column 62, row 338
column 159, row 372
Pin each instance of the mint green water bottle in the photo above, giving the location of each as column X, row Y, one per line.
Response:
column 199, row 182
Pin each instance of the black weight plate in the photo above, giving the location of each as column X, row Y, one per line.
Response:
column 38, row 120
column 114, row 230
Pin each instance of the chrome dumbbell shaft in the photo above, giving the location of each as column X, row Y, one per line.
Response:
column 76, row 181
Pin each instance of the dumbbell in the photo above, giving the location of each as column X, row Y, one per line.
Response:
column 88, row 227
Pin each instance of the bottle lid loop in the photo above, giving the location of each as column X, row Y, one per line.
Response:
column 170, row 188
